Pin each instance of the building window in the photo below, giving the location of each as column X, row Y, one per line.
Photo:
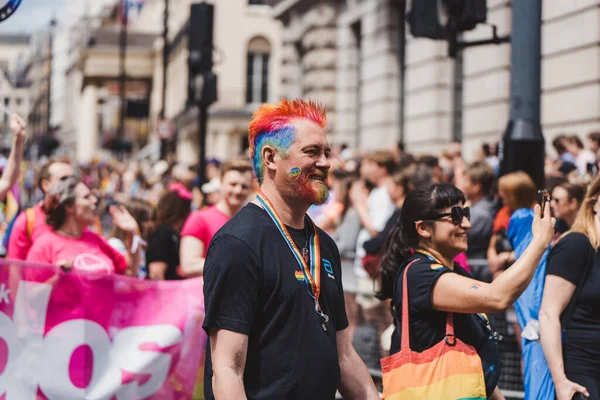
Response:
column 258, row 2
column 257, row 77
column 18, row 101
column 6, row 101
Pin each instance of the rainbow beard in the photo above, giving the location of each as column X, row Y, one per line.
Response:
column 308, row 193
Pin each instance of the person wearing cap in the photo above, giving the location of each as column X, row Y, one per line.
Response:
column 234, row 190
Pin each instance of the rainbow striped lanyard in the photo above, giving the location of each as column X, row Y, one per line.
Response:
column 429, row 255
column 312, row 272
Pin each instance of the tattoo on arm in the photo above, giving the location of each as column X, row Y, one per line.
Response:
column 475, row 286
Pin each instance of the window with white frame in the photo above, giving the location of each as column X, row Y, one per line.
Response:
column 257, row 76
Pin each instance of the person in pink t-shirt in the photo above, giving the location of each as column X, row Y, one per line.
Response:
column 201, row 226
column 31, row 224
column 70, row 209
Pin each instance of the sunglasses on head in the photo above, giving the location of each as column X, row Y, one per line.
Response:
column 457, row 213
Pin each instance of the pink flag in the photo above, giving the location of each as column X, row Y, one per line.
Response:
column 92, row 336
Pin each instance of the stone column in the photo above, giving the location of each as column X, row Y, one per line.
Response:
column 319, row 51
column 87, row 134
column 347, row 87
column 309, row 53
column 291, row 71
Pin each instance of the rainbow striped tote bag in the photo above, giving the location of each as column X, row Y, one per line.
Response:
column 450, row 370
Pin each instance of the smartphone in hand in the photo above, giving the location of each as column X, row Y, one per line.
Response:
column 543, row 198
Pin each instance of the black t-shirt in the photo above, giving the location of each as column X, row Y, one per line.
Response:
column 164, row 247
column 428, row 326
column 250, row 287
column 561, row 226
column 569, row 260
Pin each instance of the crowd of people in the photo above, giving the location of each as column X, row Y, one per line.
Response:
column 361, row 217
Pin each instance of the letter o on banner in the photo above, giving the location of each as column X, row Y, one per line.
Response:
column 59, row 345
column 9, row 335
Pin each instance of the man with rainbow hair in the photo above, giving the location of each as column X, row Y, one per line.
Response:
column 275, row 312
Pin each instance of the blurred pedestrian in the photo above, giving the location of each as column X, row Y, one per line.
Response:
column 201, row 226
column 173, row 208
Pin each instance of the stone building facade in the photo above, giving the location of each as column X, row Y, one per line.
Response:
column 246, row 62
column 424, row 98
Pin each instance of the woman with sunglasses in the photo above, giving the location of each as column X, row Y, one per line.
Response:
column 432, row 231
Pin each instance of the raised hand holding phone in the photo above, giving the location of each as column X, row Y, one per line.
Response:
column 542, row 227
column 543, row 198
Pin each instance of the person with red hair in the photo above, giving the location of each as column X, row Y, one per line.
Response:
column 275, row 312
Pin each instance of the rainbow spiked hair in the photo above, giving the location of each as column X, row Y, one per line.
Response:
column 272, row 125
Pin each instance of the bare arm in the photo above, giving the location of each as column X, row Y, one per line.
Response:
column 355, row 380
column 228, row 351
column 10, row 176
column 365, row 219
column 456, row 293
column 157, row 270
column 134, row 259
column 557, row 294
column 497, row 395
column 191, row 254
column 123, row 220
column 359, row 200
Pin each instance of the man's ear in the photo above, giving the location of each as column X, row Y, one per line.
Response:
column 423, row 229
column 45, row 184
column 270, row 156
column 574, row 204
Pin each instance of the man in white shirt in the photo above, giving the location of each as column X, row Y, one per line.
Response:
column 374, row 210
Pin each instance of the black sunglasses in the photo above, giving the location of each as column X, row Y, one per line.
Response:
column 457, row 213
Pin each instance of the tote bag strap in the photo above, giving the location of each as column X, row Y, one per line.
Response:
column 405, row 340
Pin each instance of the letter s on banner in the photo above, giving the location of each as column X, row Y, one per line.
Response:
column 127, row 354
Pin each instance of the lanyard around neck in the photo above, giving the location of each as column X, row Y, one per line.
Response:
column 312, row 272
column 429, row 255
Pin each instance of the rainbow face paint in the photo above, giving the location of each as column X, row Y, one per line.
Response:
column 295, row 173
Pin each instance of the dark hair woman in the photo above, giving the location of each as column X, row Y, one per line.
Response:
column 432, row 231
column 173, row 208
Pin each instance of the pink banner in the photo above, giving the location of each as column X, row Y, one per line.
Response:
column 83, row 335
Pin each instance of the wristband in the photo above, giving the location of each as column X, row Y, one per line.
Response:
column 136, row 242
